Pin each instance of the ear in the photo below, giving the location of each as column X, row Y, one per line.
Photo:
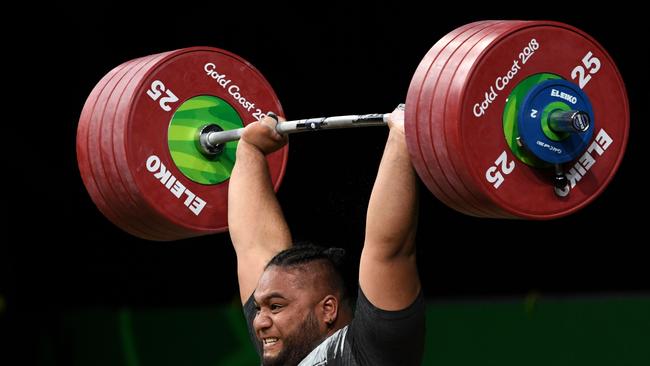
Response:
column 330, row 309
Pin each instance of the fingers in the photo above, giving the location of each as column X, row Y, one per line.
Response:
column 266, row 139
column 397, row 117
column 271, row 121
column 396, row 121
column 274, row 116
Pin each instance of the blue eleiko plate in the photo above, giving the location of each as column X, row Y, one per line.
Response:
column 530, row 121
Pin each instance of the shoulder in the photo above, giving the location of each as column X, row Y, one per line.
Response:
column 365, row 308
column 383, row 337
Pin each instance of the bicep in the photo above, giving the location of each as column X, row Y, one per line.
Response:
column 250, row 265
column 390, row 282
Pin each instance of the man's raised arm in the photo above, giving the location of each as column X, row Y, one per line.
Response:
column 388, row 274
column 257, row 226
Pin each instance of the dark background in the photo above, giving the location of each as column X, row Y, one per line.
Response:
column 60, row 253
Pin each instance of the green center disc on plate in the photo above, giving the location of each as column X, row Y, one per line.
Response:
column 183, row 137
column 511, row 111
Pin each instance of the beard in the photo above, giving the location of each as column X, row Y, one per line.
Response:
column 298, row 345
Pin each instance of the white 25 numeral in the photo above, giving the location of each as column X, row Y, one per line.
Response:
column 157, row 88
column 494, row 173
column 592, row 64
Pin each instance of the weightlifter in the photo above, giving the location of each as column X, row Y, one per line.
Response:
column 294, row 298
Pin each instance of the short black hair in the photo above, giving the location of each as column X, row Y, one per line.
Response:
column 304, row 253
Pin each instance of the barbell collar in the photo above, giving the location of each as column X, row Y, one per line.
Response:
column 569, row 121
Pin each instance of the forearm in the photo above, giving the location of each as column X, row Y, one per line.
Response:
column 255, row 219
column 393, row 209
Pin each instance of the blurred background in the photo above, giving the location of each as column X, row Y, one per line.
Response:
column 76, row 290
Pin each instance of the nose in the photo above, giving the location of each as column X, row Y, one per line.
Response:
column 262, row 321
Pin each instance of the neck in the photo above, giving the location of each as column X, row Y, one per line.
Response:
column 344, row 318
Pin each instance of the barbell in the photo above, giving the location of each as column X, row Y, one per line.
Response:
column 503, row 119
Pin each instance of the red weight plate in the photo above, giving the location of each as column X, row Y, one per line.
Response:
column 413, row 108
column 431, row 127
column 475, row 126
column 135, row 225
column 87, row 160
column 82, row 144
column 110, row 186
column 125, row 217
column 120, row 197
column 140, row 134
column 425, row 127
column 437, row 129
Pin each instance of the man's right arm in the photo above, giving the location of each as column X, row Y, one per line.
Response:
column 257, row 226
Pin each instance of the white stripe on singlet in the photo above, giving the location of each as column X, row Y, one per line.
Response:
column 318, row 356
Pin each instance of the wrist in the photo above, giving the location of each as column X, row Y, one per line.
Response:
column 247, row 150
column 396, row 135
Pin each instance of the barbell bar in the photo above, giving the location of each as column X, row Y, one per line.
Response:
column 212, row 138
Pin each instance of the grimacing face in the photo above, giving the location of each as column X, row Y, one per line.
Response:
column 288, row 323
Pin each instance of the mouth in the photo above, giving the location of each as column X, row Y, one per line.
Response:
column 270, row 343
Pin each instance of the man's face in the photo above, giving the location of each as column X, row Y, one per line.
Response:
column 286, row 324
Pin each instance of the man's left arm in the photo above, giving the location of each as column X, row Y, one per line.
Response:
column 388, row 273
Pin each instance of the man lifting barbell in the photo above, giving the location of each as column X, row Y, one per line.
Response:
column 294, row 298
column 503, row 119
